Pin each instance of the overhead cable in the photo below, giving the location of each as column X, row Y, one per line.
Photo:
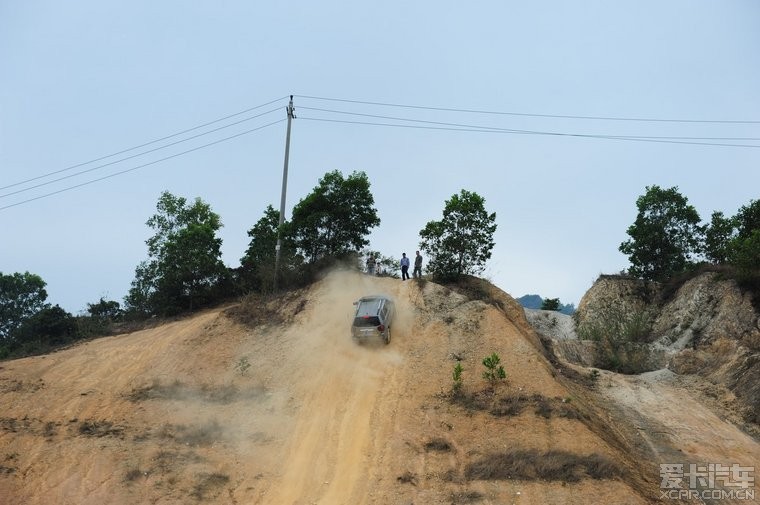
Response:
column 525, row 114
column 69, row 176
column 528, row 132
column 142, row 166
column 143, row 145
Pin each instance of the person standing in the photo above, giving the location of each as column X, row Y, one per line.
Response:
column 417, row 274
column 370, row 265
column 404, row 267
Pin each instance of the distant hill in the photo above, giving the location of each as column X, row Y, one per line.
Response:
column 535, row 302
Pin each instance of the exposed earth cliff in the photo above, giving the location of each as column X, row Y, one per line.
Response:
column 273, row 403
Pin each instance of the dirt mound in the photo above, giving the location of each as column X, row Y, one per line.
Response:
column 291, row 411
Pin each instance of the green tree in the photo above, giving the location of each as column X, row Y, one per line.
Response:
column 494, row 371
column 462, row 241
column 745, row 255
column 664, row 237
column 47, row 328
column 257, row 265
column 104, row 309
column 21, row 296
column 551, row 304
column 184, row 269
column 718, row 237
column 335, row 218
column 744, row 250
column 748, row 219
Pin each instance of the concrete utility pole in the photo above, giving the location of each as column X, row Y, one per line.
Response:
column 278, row 248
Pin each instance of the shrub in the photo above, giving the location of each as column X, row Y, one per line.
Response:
column 457, row 376
column 621, row 339
column 553, row 465
column 494, row 371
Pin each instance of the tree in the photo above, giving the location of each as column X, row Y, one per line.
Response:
column 748, row 219
column 664, row 237
column 718, row 236
column 494, row 371
column 49, row 327
column 184, row 269
column 104, row 309
column 335, row 218
column 462, row 241
column 744, row 249
column 21, row 297
column 745, row 255
column 551, row 304
column 257, row 265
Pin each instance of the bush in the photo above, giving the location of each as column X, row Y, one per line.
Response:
column 494, row 371
column 456, row 388
column 530, row 464
column 621, row 339
column 550, row 304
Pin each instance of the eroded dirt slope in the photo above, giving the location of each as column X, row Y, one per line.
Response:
column 206, row 410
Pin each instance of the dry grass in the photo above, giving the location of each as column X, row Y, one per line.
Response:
column 407, row 478
column 208, row 483
column 207, row 393
column 202, row 435
column 100, row 429
column 133, row 474
column 531, row 464
column 514, row 405
column 255, row 310
column 438, row 444
column 464, row 497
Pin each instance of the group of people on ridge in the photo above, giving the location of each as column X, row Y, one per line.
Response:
column 373, row 265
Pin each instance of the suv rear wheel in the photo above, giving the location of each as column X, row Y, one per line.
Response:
column 388, row 336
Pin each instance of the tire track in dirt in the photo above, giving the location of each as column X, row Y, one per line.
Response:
column 339, row 386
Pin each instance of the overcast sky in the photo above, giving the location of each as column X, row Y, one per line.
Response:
column 81, row 80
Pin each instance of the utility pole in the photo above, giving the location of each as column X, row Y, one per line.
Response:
column 278, row 248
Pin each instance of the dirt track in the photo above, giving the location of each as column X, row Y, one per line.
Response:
column 169, row 416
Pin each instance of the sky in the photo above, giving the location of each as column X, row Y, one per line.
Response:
column 83, row 80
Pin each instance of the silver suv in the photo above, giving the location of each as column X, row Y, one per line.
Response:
column 373, row 318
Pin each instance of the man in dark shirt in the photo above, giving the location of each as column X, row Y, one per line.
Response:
column 417, row 266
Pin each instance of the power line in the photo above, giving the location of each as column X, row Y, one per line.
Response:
column 533, row 132
column 527, row 132
column 143, row 145
column 69, row 188
column 133, row 156
column 524, row 114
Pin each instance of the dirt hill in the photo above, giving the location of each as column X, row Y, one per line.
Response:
column 276, row 405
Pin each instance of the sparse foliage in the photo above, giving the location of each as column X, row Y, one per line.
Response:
column 242, row 366
column 621, row 339
column 462, row 241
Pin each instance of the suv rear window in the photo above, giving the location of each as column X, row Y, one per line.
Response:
column 366, row 321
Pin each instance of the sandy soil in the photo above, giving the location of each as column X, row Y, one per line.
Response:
column 206, row 410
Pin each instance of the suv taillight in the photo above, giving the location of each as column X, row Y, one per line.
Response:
column 381, row 328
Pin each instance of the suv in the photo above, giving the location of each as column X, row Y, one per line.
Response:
column 373, row 318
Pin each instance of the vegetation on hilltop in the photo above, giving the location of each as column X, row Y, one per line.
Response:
column 184, row 271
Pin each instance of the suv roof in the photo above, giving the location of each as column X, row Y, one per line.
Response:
column 370, row 305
